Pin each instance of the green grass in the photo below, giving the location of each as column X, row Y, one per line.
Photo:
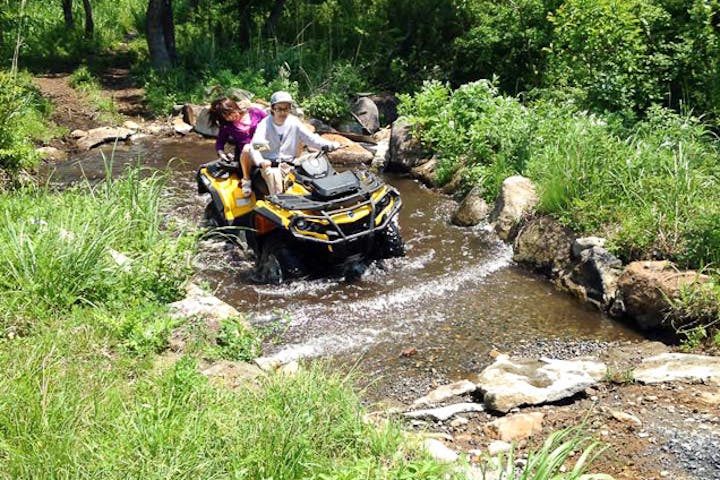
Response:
column 83, row 80
column 25, row 122
column 557, row 451
column 54, row 249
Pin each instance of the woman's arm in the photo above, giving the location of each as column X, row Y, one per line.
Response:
column 222, row 138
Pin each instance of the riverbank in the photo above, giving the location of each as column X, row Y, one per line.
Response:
column 640, row 192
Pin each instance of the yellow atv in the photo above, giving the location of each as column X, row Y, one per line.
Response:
column 324, row 220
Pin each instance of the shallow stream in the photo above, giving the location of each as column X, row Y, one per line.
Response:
column 430, row 317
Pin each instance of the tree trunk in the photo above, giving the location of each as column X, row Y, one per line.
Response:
column 68, row 14
column 89, row 24
column 246, row 23
column 272, row 20
column 169, row 30
column 161, row 34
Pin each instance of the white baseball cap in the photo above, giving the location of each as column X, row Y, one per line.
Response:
column 280, row 97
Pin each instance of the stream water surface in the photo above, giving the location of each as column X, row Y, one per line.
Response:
column 431, row 316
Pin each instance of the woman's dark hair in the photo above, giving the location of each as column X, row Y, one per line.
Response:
column 221, row 108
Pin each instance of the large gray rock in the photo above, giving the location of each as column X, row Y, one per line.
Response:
column 366, row 112
column 191, row 112
column 646, row 287
column 444, row 392
column 426, row 172
column 472, row 210
column 510, row 383
column 202, row 124
column 203, row 308
column 199, row 303
column 517, row 197
column 678, row 367
column 594, row 276
column 581, row 244
column 386, row 104
column 543, row 244
column 405, row 152
column 98, row 136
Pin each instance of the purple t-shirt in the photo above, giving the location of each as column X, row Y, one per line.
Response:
column 240, row 133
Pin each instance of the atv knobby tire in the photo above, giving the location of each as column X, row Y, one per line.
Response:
column 389, row 242
column 276, row 263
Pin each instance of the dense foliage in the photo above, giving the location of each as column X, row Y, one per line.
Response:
column 652, row 189
column 606, row 55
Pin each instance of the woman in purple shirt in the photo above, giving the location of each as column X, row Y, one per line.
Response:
column 237, row 120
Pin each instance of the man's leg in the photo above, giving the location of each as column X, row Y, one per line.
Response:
column 273, row 178
column 245, row 162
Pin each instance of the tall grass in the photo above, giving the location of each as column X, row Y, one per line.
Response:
column 54, row 247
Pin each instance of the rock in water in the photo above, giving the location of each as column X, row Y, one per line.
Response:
column 509, row 383
column 646, row 287
column 202, row 124
column 517, row 197
column 472, row 210
column 98, row 136
column 543, row 244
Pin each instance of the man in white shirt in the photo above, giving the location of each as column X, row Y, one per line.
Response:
column 277, row 138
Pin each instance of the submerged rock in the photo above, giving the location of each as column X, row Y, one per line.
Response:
column 678, row 367
column 517, row 197
column 98, row 136
column 51, row 153
column 472, row 210
column 509, row 383
column 647, row 286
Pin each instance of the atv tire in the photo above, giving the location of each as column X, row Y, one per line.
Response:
column 276, row 263
column 390, row 243
column 212, row 218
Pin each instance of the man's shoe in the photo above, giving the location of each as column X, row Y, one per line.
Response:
column 246, row 186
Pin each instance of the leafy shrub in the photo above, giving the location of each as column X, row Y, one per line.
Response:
column 22, row 110
column 613, row 52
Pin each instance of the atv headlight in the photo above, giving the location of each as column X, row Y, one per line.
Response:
column 383, row 202
column 301, row 224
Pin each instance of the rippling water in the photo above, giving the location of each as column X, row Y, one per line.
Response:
column 453, row 298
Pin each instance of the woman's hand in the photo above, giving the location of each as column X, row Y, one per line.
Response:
column 223, row 156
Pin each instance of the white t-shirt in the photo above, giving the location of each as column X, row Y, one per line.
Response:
column 281, row 129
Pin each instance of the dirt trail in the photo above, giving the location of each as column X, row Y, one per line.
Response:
column 74, row 110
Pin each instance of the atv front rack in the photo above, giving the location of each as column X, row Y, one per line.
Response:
column 354, row 230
